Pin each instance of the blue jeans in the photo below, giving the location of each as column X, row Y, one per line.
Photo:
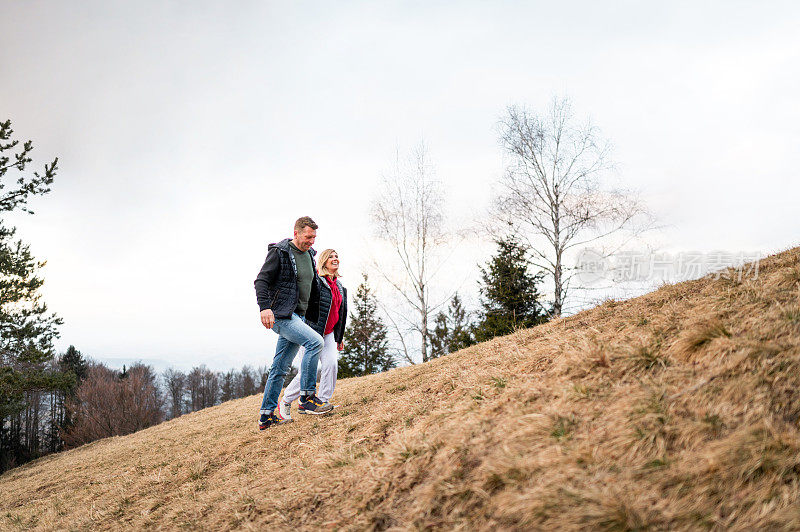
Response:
column 293, row 333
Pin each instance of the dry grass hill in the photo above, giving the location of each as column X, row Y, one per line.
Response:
column 676, row 410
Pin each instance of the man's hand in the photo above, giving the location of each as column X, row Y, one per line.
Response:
column 340, row 346
column 267, row 318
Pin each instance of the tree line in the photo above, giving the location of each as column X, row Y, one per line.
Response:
column 96, row 401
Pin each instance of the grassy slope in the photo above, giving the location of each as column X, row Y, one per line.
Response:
column 675, row 410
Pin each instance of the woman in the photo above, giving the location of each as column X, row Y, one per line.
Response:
column 332, row 319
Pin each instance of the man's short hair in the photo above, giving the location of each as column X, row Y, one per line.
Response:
column 305, row 221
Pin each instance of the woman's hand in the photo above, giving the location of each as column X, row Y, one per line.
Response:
column 340, row 346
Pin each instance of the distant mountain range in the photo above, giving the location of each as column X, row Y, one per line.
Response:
column 218, row 363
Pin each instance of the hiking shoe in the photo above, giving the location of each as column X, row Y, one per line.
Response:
column 268, row 420
column 312, row 405
column 285, row 412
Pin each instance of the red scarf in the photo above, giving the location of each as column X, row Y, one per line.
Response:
column 336, row 304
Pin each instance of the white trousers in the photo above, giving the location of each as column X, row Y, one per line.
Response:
column 327, row 368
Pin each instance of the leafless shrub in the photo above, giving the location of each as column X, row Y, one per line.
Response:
column 109, row 405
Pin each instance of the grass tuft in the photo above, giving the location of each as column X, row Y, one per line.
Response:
column 792, row 314
column 563, row 427
column 698, row 336
column 499, row 382
column 647, row 356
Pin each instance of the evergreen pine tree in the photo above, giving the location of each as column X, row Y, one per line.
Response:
column 75, row 368
column 72, row 361
column 461, row 333
column 510, row 295
column 440, row 336
column 27, row 329
column 366, row 348
column 452, row 331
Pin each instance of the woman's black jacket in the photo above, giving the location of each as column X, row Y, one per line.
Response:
column 325, row 302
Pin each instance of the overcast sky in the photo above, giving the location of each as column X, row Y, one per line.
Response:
column 192, row 134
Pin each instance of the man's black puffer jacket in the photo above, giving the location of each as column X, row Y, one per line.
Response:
column 325, row 302
column 276, row 283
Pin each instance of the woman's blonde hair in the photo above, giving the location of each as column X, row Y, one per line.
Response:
column 323, row 258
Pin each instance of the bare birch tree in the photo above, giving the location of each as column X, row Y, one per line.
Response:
column 408, row 216
column 552, row 189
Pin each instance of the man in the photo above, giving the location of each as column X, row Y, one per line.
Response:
column 288, row 295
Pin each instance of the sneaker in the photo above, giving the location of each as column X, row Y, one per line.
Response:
column 268, row 420
column 312, row 405
column 285, row 412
